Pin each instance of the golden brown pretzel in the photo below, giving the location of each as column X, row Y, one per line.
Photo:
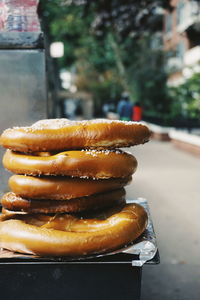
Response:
column 90, row 163
column 63, row 134
column 12, row 202
column 62, row 188
column 67, row 235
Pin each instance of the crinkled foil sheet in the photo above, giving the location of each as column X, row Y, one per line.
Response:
column 143, row 250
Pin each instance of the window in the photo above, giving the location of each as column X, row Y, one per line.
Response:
column 180, row 50
column 180, row 12
column 168, row 23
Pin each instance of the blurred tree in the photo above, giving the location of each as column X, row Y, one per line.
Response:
column 186, row 98
column 148, row 79
column 108, row 45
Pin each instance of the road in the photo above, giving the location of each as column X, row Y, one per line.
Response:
column 170, row 180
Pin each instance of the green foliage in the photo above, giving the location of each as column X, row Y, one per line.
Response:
column 92, row 58
column 186, row 97
column 107, row 59
column 148, row 78
column 125, row 17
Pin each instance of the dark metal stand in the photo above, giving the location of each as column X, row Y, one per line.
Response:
column 109, row 277
column 70, row 281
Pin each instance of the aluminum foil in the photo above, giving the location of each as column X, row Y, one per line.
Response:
column 143, row 249
column 146, row 247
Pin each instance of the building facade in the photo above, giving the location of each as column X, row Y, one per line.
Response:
column 181, row 39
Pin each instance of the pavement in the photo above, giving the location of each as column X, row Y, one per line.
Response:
column 170, row 180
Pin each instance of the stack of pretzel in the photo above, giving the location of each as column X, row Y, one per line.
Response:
column 67, row 195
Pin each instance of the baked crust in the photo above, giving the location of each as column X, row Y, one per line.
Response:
column 63, row 134
column 13, row 203
column 90, row 163
column 67, row 235
column 62, row 188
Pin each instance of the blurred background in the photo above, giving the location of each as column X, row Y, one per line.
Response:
column 148, row 49
column 129, row 60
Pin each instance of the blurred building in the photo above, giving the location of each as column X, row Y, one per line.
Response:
column 181, row 38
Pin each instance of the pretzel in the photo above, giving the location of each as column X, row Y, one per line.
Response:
column 62, row 188
column 63, row 134
column 13, row 203
column 88, row 163
column 67, row 235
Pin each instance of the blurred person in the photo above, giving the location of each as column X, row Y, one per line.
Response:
column 105, row 109
column 79, row 111
column 137, row 112
column 69, row 109
column 108, row 108
column 124, row 108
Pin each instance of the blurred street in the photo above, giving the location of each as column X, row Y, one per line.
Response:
column 169, row 180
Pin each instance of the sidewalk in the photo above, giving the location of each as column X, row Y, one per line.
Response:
column 170, row 180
